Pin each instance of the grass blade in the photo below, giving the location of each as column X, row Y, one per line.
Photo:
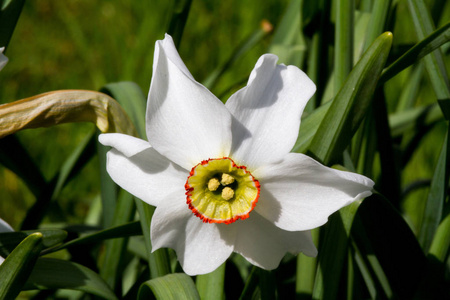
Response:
column 424, row 47
column 16, row 268
column 60, row 274
column 9, row 15
column 10, row 240
column 211, row 286
column 343, row 51
column 434, row 62
column 350, row 104
column 288, row 42
column 333, row 249
column 170, row 287
column 178, row 21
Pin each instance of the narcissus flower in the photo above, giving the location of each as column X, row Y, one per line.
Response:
column 222, row 177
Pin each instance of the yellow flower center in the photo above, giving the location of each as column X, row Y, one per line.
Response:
column 219, row 191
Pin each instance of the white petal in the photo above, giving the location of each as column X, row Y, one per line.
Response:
column 141, row 170
column 200, row 247
column 264, row 245
column 126, row 144
column 299, row 193
column 5, row 227
column 269, row 107
column 185, row 122
column 3, row 58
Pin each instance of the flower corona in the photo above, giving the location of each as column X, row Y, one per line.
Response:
column 219, row 191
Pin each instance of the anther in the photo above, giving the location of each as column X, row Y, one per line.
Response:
column 227, row 193
column 213, row 184
column 226, row 179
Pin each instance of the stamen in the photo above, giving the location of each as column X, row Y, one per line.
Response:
column 213, row 184
column 226, row 179
column 227, row 193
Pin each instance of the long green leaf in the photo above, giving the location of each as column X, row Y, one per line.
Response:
column 434, row 62
column 211, row 286
column 71, row 166
column 308, row 128
column 377, row 21
column 351, row 103
column 115, row 249
column 424, row 47
column 16, row 268
column 333, row 250
column 15, row 157
column 343, row 51
column 178, row 21
column 393, row 243
column 125, row 230
column 436, row 197
column 51, row 273
column 288, row 42
column 10, row 240
column 9, row 15
column 170, row 287
column 440, row 247
column 306, row 271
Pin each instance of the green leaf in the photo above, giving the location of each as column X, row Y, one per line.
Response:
column 445, row 107
column 169, row 287
column 436, row 196
column 343, row 51
column 51, row 273
column 308, row 128
column 10, row 240
column 306, row 271
column 9, row 15
column 15, row 157
column 179, row 17
column 440, row 247
column 411, row 119
column 333, row 248
column 288, row 42
column 351, row 103
column 71, row 166
column 393, row 243
column 211, row 286
column 434, row 62
column 424, row 47
column 16, row 268
column 126, row 230
column 115, row 249
column 377, row 21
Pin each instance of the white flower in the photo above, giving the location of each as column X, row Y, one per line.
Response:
column 4, row 227
column 222, row 177
column 3, row 58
